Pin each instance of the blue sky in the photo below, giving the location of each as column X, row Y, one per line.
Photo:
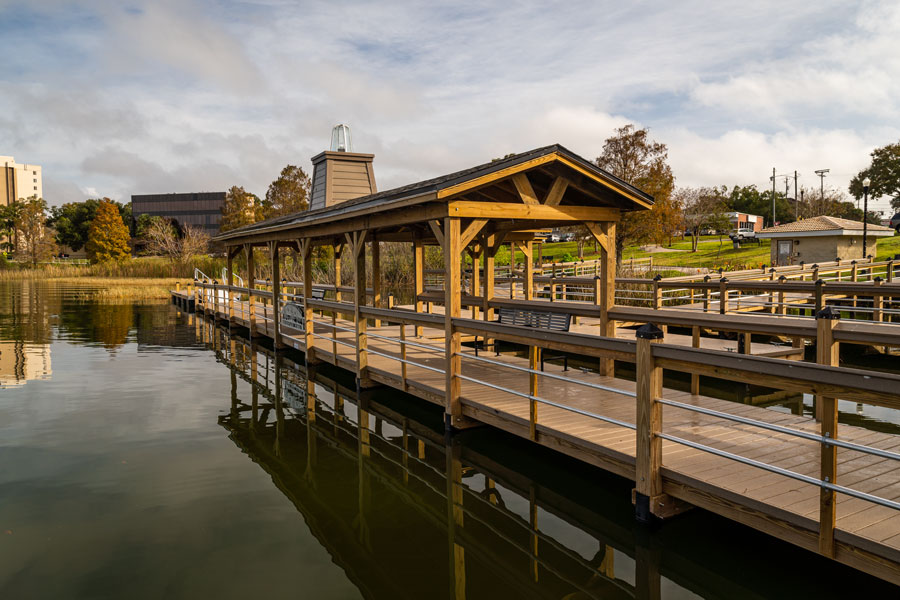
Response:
column 115, row 98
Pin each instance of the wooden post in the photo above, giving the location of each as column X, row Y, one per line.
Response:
column 877, row 300
column 452, row 310
column 419, row 270
column 338, row 251
column 487, row 293
column 820, row 295
column 476, row 274
column 706, row 294
column 229, row 281
column 657, row 292
column 827, row 353
column 359, row 300
column 723, row 296
column 512, row 275
column 251, row 285
column 376, row 276
column 648, row 453
column 534, row 361
column 781, row 309
column 772, row 292
column 276, row 295
column 403, row 356
column 607, row 289
column 889, row 272
column 695, row 343
column 308, row 317
column 529, row 271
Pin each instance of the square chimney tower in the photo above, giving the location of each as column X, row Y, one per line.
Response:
column 340, row 175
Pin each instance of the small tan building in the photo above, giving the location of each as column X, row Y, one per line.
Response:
column 821, row 239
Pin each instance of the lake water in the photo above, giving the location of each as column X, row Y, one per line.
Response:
column 147, row 454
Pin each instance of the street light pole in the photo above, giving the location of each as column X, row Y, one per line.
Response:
column 866, row 182
column 773, row 197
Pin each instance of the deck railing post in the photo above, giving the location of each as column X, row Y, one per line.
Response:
column 827, row 353
column 877, row 300
column 276, row 294
column 772, row 292
column 695, row 343
column 657, row 292
column 376, row 276
column 359, row 300
column 229, row 281
column 251, row 285
column 648, row 453
column 419, row 278
column 452, row 310
column 820, row 295
column 706, row 294
column 723, row 295
column 889, row 273
column 534, row 361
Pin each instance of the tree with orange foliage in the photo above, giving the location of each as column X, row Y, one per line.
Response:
column 108, row 236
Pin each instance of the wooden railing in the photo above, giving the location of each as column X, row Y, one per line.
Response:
column 826, row 380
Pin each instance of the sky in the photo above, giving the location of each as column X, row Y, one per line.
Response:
column 121, row 97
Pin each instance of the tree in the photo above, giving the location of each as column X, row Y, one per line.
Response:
column 162, row 238
column 632, row 156
column 108, row 236
column 703, row 208
column 240, row 208
column 35, row 238
column 9, row 215
column 884, row 173
column 72, row 221
column 288, row 194
column 748, row 199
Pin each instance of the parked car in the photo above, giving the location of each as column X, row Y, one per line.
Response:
column 554, row 237
column 895, row 222
column 742, row 234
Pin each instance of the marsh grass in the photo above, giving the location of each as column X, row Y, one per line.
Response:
column 136, row 268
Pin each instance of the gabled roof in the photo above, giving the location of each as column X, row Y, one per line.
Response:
column 618, row 193
column 823, row 226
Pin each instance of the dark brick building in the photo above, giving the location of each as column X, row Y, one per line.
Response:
column 200, row 209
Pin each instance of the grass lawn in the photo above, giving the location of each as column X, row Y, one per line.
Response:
column 711, row 253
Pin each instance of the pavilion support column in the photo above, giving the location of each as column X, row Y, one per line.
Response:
column 358, row 247
column 512, row 267
column 338, row 251
column 251, row 285
column 419, row 276
column 529, row 270
column 453, row 418
column 476, row 277
column 276, row 295
column 229, row 281
column 376, row 276
column 607, row 290
column 309, row 343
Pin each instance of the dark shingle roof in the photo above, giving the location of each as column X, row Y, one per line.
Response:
column 433, row 185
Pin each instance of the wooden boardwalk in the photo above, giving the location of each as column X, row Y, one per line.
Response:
column 867, row 535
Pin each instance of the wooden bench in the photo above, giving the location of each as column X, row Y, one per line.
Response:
column 538, row 319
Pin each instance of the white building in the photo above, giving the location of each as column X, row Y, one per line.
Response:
column 19, row 181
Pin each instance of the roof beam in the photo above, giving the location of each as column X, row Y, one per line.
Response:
column 526, row 191
column 556, row 191
column 501, row 210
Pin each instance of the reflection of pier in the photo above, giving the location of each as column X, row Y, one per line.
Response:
column 404, row 512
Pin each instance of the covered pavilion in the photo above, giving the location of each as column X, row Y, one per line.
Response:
column 470, row 211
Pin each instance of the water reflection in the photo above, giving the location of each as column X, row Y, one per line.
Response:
column 21, row 362
column 408, row 513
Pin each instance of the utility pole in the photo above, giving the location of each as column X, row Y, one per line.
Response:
column 796, row 199
column 773, row 197
column 821, row 174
